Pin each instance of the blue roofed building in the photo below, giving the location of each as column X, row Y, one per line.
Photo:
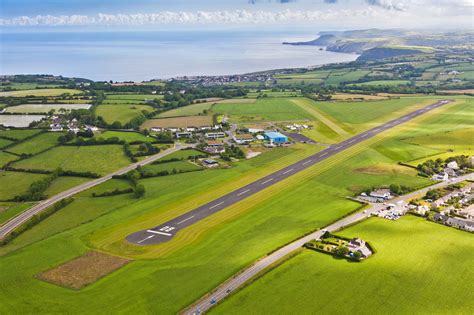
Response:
column 275, row 137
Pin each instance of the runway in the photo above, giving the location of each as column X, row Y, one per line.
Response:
column 166, row 231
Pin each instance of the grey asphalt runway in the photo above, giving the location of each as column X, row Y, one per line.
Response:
column 166, row 231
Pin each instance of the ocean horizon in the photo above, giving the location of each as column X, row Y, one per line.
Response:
column 146, row 55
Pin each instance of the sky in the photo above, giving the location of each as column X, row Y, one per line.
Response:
column 164, row 14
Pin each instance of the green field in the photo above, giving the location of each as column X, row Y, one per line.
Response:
column 16, row 183
column 7, row 157
column 64, row 183
column 137, row 97
column 10, row 209
column 420, row 268
column 5, row 142
column 44, row 108
column 36, row 144
column 19, row 134
column 126, row 136
column 272, row 109
column 207, row 253
column 179, row 166
column 182, row 154
column 101, row 159
column 121, row 113
column 40, row 92
column 383, row 82
column 190, row 110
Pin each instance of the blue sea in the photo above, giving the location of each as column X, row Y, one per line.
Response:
column 145, row 55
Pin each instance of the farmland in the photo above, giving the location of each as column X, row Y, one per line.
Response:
column 96, row 159
column 212, row 250
column 44, row 108
column 121, row 113
column 311, row 279
column 36, row 144
column 190, row 110
column 178, row 122
column 16, row 183
column 40, row 92
column 124, row 135
column 19, row 120
column 274, row 109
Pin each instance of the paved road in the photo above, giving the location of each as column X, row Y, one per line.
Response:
column 25, row 216
column 166, row 231
column 206, row 302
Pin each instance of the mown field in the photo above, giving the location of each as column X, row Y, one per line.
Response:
column 16, row 183
column 178, row 122
column 178, row 166
column 44, row 108
column 420, row 267
column 210, row 251
column 41, row 92
column 121, row 113
column 190, row 110
column 126, row 136
column 101, row 159
column 271, row 109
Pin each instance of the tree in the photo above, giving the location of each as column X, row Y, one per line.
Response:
column 342, row 250
column 139, row 191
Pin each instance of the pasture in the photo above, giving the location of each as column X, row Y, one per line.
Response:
column 121, row 113
column 5, row 142
column 178, row 122
column 18, row 134
column 6, row 157
column 383, row 82
column 19, row 121
column 420, row 267
column 189, row 110
column 40, row 92
column 178, row 166
column 100, row 159
column 124, row 135
column 16, row 183
column 37, row 144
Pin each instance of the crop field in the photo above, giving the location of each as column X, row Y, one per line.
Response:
column 178, row 122
column 101, row 159
column 36, row 144
column 126, row 136
column 44, row 108
column 273, row 109
column 197, row 257
column 121, row 113
column 402, row 277
column 16, row 183
column 19, row 121
column 40, row 92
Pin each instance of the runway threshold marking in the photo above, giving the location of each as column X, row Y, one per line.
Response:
column 267, row 181
column 157, row 232
column 182, row 221
column 216, row 205
column 243, row 192
column 290, row 170
column 146, row 238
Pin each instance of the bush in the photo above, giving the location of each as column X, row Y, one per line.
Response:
column 113, row 192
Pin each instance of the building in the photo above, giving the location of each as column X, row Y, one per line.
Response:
column 381, row 193
column 210, row 163
column 275, row 137
column 56, row 127
column 244, row 138
column 183, row 135
column 359, row 245
column 459, row 223
column 214, row 135
column 214, row 147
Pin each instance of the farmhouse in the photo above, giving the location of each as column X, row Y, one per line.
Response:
column 359, row 245
column 381, row 193
column 210, row 163
column 275, row 137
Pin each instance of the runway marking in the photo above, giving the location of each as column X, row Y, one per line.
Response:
column 146, row 238
column 324, row 154
column 182, row 221
column 156, row 232
column 338, row 147
column 286, row 172
column 307, row 162
column 364, row 135
column 267, row 181
column 216, row 205
column 352, row 141
column 243, row 192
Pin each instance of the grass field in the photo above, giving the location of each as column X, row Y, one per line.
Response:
column 178, row 122
column 5, row 142
column 190, row 110
column 126, row 136
column 210, row 251
column 121, row 113
column 101, row 159
column 44, row 108
column 16, row 183
column 40, row 92
column 420, row 268
column 10, row 209
column 7, row 157
column 19, row 134
column 179, row 166
column 64, row 183
column 36, row 144
column 383, row 82
column 272, row 109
